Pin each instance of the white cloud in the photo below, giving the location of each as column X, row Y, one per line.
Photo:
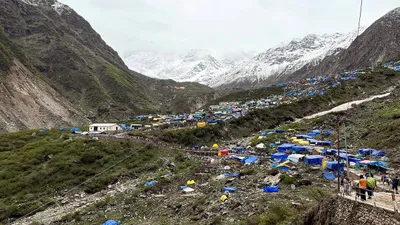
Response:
column 220, row 25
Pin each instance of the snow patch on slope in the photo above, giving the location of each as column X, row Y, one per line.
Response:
column 196, row 65
column 286, row 58
column 59, row 7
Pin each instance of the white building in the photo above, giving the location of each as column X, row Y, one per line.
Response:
column 104, row 127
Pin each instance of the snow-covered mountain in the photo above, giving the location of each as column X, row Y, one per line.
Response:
column 286, row 58
column 196, row 65
column 56, row 5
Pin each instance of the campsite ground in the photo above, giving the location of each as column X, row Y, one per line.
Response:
column 55, row 162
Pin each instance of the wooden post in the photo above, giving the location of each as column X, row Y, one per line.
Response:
column 338, row 156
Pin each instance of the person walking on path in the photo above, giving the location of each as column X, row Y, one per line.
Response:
column 346, row 185
column 371, row 185
column 395, row 184
column 362, row 184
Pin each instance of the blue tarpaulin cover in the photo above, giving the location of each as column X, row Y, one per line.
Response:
column 314, row 159
column 111, row 222
column 300, row 149
column 229, row 189
column 279, row 156
column 284, row 147
column 249, row 159
column 333, row 165
column 271, row 189
column 149, row 183
column 329, row 176
column 378, row 153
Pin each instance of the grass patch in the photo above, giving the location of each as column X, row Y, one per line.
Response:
column 35, row 167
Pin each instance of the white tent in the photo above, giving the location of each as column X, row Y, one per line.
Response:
column 260, row 146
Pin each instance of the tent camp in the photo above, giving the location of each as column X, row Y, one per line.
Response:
column 279, row 157
column 314, row 159
column 285, row 147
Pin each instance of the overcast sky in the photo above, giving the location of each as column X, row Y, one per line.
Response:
column 220, row 25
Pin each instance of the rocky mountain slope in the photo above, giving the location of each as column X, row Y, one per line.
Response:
column 285, row 59
column 61, row 47
column 196, row 65
column 379, row 43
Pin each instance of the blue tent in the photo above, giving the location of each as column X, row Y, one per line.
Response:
column 327, row 132
column 196, row 147
column 378, row 153
column 329, row 176
column 324, row 143
column 279, row 156
column 298, row 149
column 316, row 131
column 279, row 131
column 314, row 159
column 74, row 129
column 304, row 137
column 333, row 165
column 149, row 183
column 366, row 151
column 264, row 134
column 229, row 189
column 271, row 189
column 285, row 147
column 211, row 121
column 313, row 141
column 235, row 174
column 284, row 168
column 111, row 222
column 249, row 159
column 312, row 134
column 378, row 163
column 239, row 149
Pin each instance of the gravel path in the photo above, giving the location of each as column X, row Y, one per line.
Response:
column 345, row 106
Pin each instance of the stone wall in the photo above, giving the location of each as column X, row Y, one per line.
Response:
column 338, row 211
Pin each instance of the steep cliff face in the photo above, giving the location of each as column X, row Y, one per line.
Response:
column 380, row 42
column 54, row 42
column 29, row 102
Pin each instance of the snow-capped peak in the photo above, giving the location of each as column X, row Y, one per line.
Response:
column 195, row 65
column 59, row 7
column 286, row 58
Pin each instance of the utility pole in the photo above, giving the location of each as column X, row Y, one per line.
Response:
column 338, row 156
column 347, row 152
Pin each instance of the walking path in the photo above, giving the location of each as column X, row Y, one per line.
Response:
column 344, row 107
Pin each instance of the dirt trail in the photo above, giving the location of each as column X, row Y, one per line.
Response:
column 344, row 106
column 76, row 202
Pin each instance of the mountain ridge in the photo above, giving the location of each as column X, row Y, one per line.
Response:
column 58, row 45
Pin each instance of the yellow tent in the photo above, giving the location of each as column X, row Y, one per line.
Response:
column 215, row 146
column 190, row 182
column 155, row 119
column 201, row 124
column 297, row 140
column 224, row 198
column 287, row 163
column 302, row 142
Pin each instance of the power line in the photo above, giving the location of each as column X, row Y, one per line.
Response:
column 81, row 184
column 359, row 18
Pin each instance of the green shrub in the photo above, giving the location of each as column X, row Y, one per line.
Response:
column 286, row 179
